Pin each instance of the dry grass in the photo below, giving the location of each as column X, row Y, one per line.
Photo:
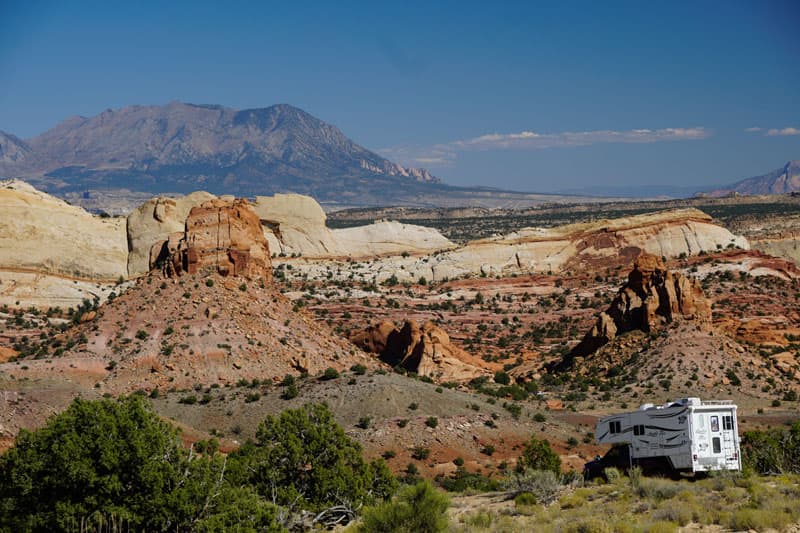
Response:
column 649, row 505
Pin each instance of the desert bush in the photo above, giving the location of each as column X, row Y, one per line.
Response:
column 662, row 526
column 674, row 511
column 589, row 525
column 635, row 477
column 420, row 453
column 462, row 481
column 330, row 373
column 290, row 392
column 537, row 455
column 612, row 474
column 358, row 369
column 658, row 489
column 525, row 499
column 773, row 451
column 544, row 485
column 417, row 508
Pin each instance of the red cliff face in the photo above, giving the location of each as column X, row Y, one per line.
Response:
column 222, row 237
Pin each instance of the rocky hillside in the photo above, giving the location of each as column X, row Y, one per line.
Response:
column 780, row 181
column 184, row 147
column 652, row 298
column 211, row 315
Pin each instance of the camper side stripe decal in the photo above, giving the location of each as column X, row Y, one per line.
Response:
column 662, row 429
column 668, row 415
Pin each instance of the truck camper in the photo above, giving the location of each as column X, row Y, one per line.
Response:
column 684, row 436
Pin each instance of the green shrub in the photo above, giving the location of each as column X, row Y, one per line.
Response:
column 589, row 525
column 358, row 369
column 290, row 392
column 115, row 460
column 432, row 422
column 417, row 508
column 502, row 378
column 612, row 474
column 304, row 459
column 537, row 455
column 773, row 451
column 330, row 373
column 544, row 485
column 524, row 499
column 420, row 453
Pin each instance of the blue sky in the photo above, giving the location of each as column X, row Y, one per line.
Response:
column 529, row 96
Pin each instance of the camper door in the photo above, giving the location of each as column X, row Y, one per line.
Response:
column 710, row 439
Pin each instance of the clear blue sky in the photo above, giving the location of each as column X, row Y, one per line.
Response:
column 450, row 84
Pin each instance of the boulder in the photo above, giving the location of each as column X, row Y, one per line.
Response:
column 373, row 339
column 425, row 350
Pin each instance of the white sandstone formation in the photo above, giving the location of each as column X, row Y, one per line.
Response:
column 44, row 240
column 295, row 225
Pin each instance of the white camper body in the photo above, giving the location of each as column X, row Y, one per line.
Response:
column 688, row 434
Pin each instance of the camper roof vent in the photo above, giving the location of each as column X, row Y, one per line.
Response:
column 646, row 406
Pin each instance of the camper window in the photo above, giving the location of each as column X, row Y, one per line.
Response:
column 727, row 422
column 638, row 429
column 615, row 426
column 715, row 423
column 715, row 442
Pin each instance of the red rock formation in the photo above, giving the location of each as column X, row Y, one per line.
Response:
column 221, row 236
column 426, row 350
column 652, row 297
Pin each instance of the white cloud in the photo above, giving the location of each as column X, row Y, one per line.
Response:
column 754, row 129
column 774, row 132
column 446, row 154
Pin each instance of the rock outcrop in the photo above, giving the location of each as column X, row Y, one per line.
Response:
column 295, row 225
column 47, row 243
column 153, row 222
column 652, row 297
column 604, row 244
column 222, row 237
column 425, row 350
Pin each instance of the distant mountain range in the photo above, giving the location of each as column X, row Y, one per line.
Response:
column 184, row 147
column 780, row 181
column 179, row 148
